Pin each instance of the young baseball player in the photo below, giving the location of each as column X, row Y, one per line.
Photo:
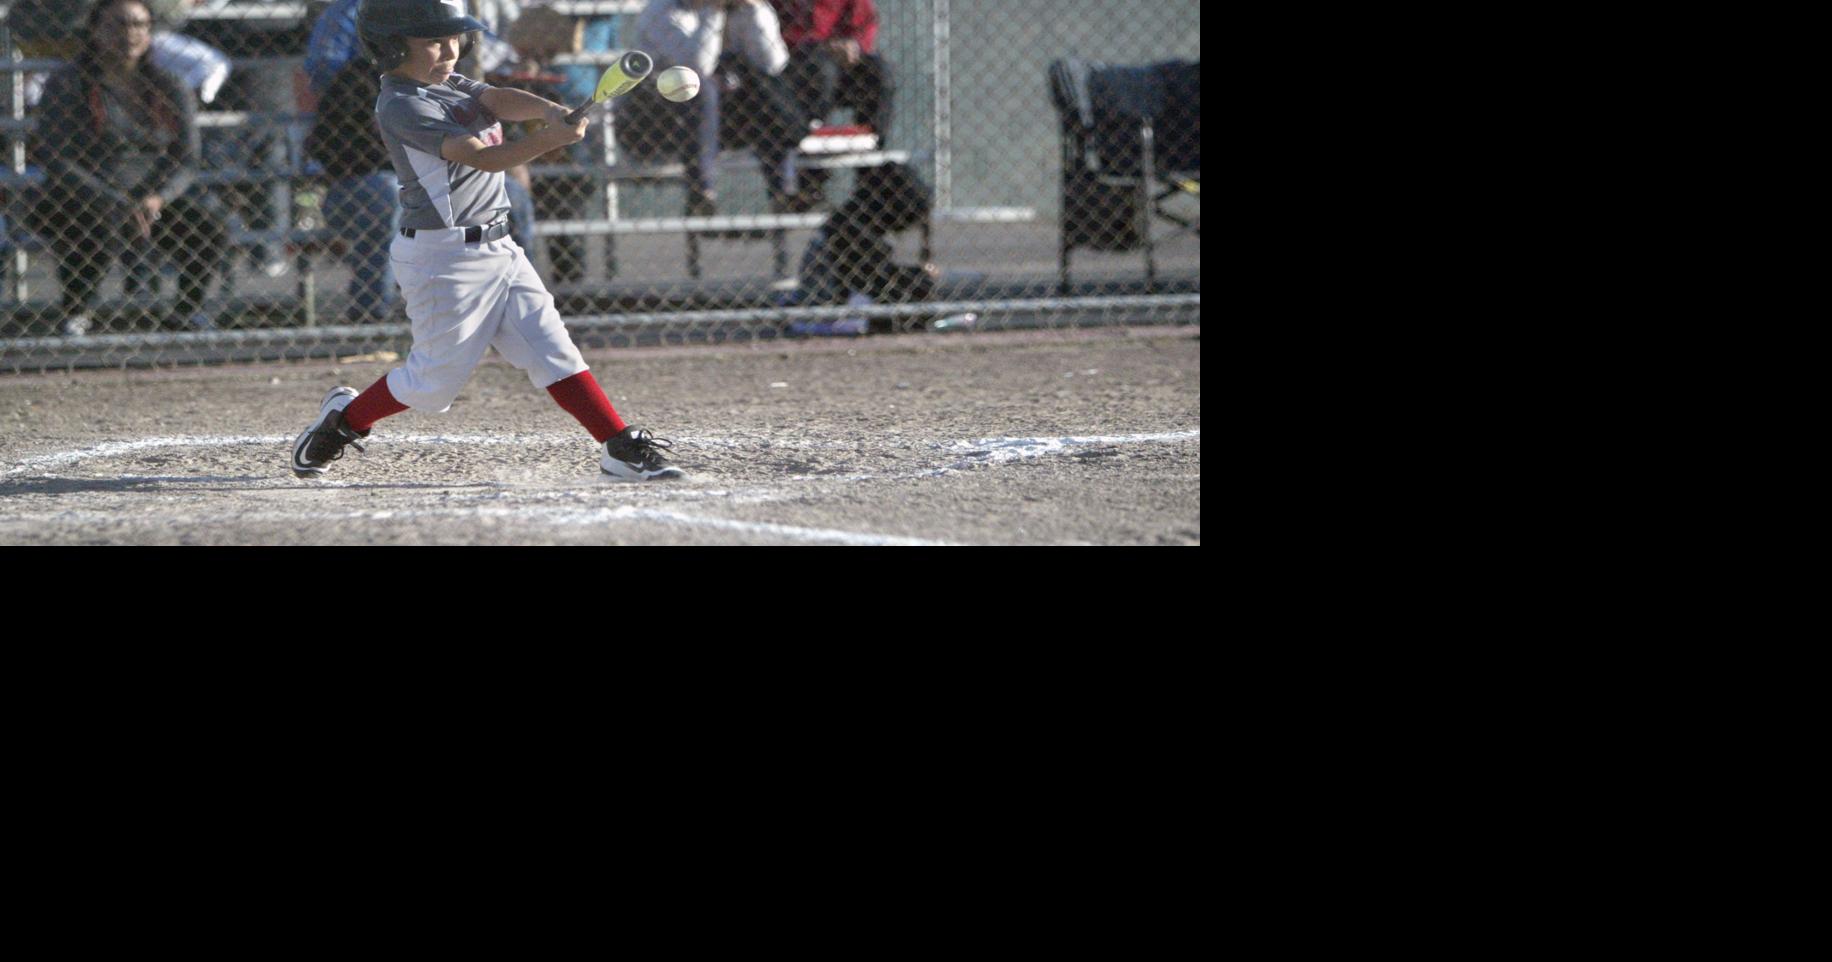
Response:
column 468, row 287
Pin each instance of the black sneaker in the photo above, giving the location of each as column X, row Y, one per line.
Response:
column 635, row 455
column 325, row 440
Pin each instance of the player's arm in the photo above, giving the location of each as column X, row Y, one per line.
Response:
column 508, row 103
column 472, row 152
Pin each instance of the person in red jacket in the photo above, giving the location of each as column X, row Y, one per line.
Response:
column 833, row 62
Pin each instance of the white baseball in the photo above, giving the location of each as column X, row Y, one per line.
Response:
column 677, row 84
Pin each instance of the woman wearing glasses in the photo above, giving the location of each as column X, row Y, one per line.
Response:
column 117, row 139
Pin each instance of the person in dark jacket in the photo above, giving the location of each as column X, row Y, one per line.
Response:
column 850, row 260
column 118, row 141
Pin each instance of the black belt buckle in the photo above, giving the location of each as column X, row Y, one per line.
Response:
column 472, row 235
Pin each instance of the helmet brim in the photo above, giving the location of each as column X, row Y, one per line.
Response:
column 433, row 29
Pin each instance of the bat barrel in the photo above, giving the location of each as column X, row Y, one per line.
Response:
column 631, row 69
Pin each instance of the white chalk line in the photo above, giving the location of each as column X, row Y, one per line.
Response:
column 602, row 516
column 117, row 448
column 555, row 516
column 982, row 451
column 979, row 453
column 987, row 451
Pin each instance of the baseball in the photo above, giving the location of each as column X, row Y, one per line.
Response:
column 677, row 84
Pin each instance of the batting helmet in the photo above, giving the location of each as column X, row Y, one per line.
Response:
column 382, row 24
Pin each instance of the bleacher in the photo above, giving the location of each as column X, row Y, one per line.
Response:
column 605, row 181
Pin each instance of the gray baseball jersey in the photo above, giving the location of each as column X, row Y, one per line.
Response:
column 415, row 120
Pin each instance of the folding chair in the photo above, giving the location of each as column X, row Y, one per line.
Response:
column 1131, row 141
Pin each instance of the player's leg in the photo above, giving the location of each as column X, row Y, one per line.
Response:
column 532, row 337
column 452, row 294
column 447, row 290
column 324, row 440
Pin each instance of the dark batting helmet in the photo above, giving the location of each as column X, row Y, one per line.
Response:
column 382, row 24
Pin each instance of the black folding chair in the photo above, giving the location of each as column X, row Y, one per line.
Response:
column 1131, row 141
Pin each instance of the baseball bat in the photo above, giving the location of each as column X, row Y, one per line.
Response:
column 622, row 77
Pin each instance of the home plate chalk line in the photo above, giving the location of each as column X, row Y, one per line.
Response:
column 984, row 450
column 963, row 455
column 542, row 514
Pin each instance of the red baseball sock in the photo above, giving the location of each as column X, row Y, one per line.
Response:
column 582, row 398
column 372, row 406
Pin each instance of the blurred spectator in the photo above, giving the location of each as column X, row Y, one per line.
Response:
column 833, row 63
column 331, row 44
column 833, row 60
column 493, row 52
column 117, row 139
column 361, row 206
column 850, row 260
column 737, row 49
column 202, row 68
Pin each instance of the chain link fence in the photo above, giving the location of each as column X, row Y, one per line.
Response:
column 201, row 180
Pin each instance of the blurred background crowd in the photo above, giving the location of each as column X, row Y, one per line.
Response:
column 212, row 157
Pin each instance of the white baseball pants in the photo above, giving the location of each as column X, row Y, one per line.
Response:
column 463, row 299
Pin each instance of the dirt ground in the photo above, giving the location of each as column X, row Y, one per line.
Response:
column 1073, row 437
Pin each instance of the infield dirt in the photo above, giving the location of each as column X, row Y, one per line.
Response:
column 1077, row 437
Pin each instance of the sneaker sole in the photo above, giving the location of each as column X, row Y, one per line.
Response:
column 324, row 411
column 627, row 474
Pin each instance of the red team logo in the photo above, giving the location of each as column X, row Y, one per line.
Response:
column 467, row 114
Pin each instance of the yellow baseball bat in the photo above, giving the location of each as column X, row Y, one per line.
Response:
column 630, row 69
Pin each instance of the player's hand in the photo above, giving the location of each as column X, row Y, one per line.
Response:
column 145, row 213
column 562, row 134
column 846, row 51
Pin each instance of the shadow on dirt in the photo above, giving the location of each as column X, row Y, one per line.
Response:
column 62, row 486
